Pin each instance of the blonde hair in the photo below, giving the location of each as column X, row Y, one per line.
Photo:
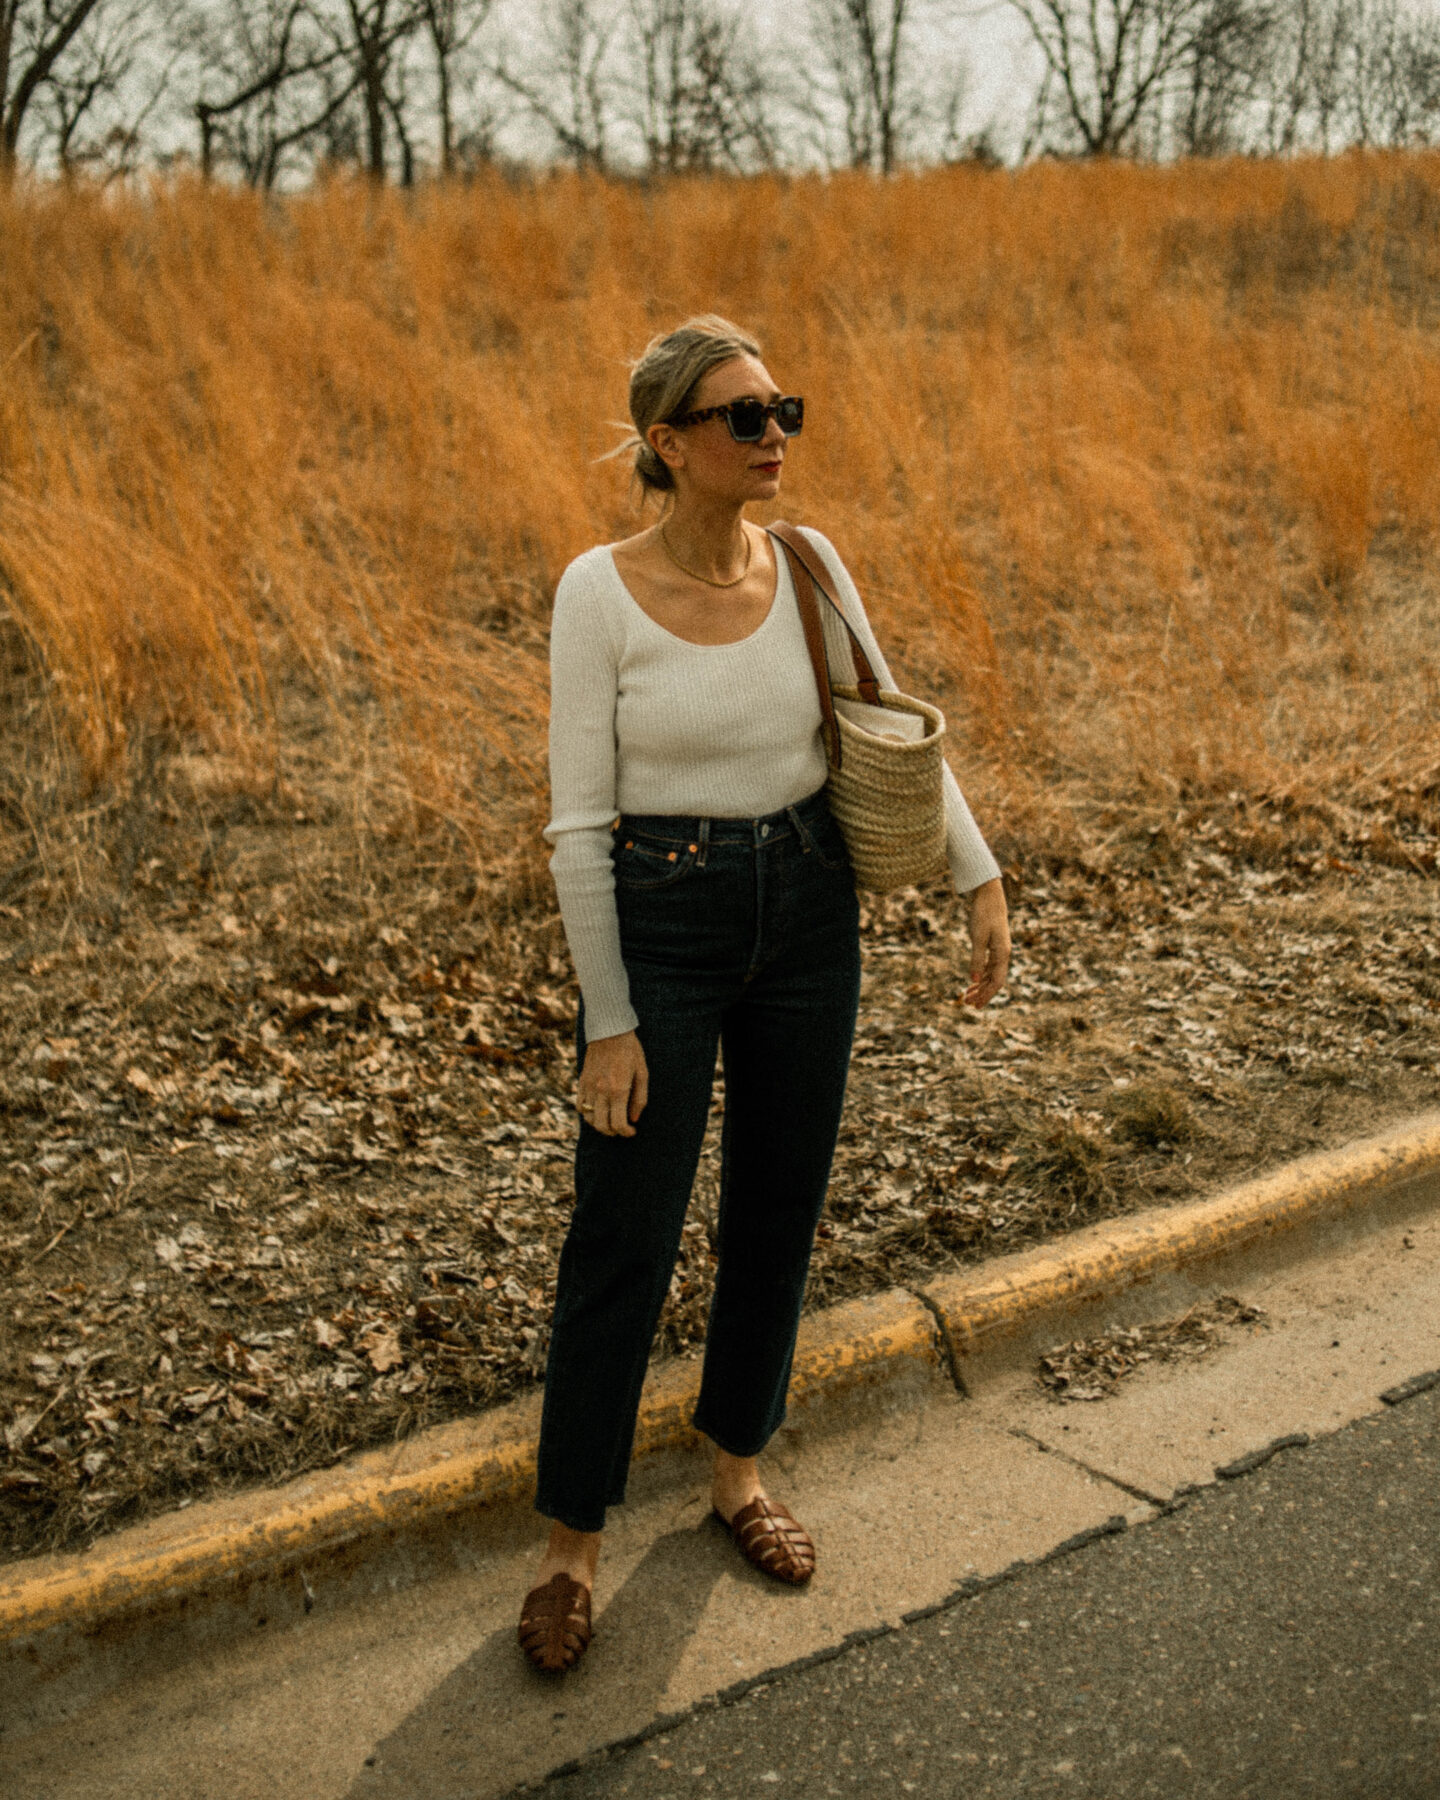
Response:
column 663, row 383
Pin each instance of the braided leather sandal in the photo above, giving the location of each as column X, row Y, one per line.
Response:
column 555, row 1624
column 771, row 1538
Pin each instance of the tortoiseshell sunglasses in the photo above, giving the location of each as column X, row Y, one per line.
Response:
column 747, row 419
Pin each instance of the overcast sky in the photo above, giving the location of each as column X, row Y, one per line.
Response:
column 988, row 36
column 985, row 37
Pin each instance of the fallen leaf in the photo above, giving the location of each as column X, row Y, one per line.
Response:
column 383, row 1350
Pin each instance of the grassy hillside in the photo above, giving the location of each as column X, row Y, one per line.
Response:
column 1138, row 466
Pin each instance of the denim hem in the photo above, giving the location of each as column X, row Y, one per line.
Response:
column 559, row 1518
column 705, row 1431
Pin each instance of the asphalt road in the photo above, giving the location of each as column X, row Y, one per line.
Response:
column 1277, row 1635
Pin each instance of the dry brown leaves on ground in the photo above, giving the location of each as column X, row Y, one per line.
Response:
column 287, row 1156
column 1092, row 1368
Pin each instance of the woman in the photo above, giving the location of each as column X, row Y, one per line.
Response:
column 717, row 909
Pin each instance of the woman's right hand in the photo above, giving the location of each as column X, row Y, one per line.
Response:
column 614, row 1084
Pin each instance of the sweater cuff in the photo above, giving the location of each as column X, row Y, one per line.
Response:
column 969, row 870
column 969, row 857
column 594, row 936
column 606, row 1020
column 585, row 888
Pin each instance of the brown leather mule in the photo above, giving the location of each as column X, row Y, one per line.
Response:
column 555, row 1624
column 770, row 1537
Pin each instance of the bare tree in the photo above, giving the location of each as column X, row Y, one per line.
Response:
column 1329, row 68
column 396, row 95
column 567, row 87
column 1109, row 63
column 1223, row 76
column 71, row 98
column 1352, row 72
column 734, row 97
column 270, row 82
column 1418, row 70
column 1313, row 49
column 702, row 97
column 251, row 49
column 367, row 75
column 673, row 79
column 450, row 25
column 480, row 125
column 93, row 107
column 373, row 30
column 865, row 50
column 661, row 28
column 1394, row 74
column 34, row 38
column 1287, row 76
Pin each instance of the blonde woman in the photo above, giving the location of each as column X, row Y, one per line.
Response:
column 708, row 901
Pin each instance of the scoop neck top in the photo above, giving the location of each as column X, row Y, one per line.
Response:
column 782, row 574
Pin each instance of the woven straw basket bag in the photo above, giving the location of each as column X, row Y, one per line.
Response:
column 886, row 751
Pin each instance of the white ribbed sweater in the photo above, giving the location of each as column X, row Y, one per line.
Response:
column 642, row 721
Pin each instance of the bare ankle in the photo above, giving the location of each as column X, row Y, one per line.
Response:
column 735, row 1482
column 573, row 1553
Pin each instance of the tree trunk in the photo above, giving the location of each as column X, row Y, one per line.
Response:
column 374, row 120
column 447, row 126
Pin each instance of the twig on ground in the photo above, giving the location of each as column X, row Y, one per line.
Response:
column 67, row 1227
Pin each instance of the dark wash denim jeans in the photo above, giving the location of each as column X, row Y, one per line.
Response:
column 742, row 933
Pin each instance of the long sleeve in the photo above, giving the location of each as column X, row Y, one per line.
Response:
column 969, row 857
column 584, row 678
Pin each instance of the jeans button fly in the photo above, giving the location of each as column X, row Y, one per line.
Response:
column 764, row 831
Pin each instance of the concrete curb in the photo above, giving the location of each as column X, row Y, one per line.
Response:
column 230, row 1546
column 372, row 1500
column 978, row 1309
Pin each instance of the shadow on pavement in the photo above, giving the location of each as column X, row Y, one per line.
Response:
column 494, row 1721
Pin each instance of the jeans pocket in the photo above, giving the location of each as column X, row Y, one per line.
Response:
column 824, row 840
column 642, row 862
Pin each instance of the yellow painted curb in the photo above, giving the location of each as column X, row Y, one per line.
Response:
column 225, row 1546
column 979, row 1308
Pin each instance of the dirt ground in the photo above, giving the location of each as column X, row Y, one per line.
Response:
column 287, row 1154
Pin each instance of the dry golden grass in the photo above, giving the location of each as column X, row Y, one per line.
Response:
column 1137, row 467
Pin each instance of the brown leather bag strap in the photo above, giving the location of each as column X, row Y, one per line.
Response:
column 809, row 608
column 801, row 549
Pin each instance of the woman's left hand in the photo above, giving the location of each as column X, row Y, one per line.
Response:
column 989, row 942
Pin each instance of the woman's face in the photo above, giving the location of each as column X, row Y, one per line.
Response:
column 705, row 459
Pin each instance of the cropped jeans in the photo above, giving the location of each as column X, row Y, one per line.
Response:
column 741, row 934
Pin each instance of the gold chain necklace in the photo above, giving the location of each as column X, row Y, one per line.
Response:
column 665, row 544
